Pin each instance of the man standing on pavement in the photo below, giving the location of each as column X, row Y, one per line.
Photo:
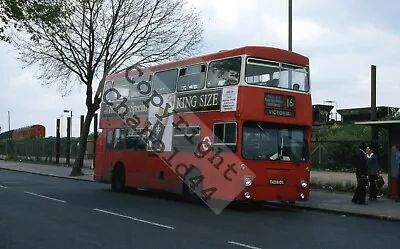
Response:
column 396, row 150
column 360, row 163
column 373, row 170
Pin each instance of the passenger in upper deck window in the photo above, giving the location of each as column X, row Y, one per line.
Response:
column 232, row 78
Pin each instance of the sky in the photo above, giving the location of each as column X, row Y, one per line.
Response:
column 342, row 39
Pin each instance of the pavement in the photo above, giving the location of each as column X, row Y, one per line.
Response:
column 333, row 202
column 87, row 163
column 39, row 211
column 46, row 169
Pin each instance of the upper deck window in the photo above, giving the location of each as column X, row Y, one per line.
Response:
column 275, row 74
column 224, row 72
column 122, row 85
column 294, row 77
column 110, row 95
column 107, row 85
column 165, row 81
column 134, row 91
column 191, row 78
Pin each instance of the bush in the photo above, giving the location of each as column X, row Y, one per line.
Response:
column 334, row 145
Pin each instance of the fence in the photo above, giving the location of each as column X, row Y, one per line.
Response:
column 43, row 149
column 325, row 155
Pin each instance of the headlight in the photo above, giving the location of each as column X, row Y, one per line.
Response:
column 303, row 183
column 247, row 181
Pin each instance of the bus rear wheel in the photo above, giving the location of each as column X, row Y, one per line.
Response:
column 118, row 179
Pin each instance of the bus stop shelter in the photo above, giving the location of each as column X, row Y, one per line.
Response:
column 393, row 127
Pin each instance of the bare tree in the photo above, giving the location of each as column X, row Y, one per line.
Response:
column 97, row 37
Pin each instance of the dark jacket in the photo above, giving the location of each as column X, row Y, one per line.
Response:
column 372, row 165
column 360, row 163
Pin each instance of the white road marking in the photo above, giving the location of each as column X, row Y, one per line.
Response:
column 1, row 186
column 135, row 219
column 243, row 245
column 45, row 197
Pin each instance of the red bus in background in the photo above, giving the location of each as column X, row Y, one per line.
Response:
column 29, row 132
column 33, row 131
column 251, row 104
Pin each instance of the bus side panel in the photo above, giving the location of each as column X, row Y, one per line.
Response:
column 135, row 165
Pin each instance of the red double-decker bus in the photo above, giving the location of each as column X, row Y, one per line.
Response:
column 250, row 106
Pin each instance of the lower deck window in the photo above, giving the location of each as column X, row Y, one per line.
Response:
column 186, row 138
column 136, row 139
column 225, row 137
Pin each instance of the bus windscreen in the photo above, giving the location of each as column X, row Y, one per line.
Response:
column 261, row 141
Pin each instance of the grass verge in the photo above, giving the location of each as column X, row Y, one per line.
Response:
column 340, row 186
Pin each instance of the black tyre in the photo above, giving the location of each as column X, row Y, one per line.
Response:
column 118, row 179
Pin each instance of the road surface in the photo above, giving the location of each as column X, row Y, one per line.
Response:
column 46, row 212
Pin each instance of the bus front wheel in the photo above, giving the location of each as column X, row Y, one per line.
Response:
column 118, row 179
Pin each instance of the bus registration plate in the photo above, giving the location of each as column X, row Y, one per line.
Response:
column 276, row 182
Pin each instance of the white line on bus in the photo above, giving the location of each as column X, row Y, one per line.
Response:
column 243, row 245
column 45, row 197
column 135, row 219
column 1, row 186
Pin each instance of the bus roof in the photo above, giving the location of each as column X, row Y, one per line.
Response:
column 255, row 51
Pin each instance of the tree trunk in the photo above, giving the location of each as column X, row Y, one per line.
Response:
column 77, row 169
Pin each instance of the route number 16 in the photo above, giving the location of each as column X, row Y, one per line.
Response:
column 290, row 102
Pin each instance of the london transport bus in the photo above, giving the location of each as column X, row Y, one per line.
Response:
column 250, row 104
